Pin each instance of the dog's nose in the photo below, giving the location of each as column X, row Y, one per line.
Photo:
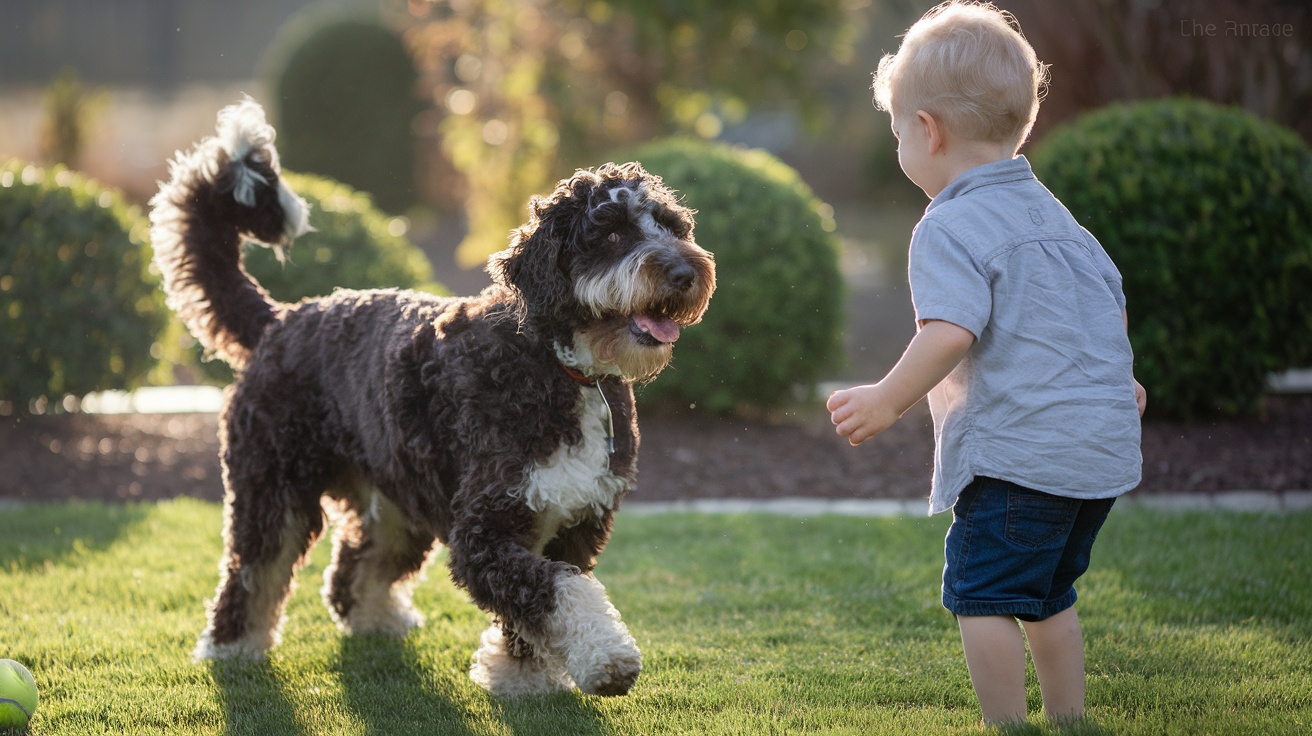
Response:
column 682, row 276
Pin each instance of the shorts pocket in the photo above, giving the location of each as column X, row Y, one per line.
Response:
column 1035, row 518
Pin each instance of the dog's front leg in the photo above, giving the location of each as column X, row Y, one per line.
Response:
column 555, row 625
column 585, row 629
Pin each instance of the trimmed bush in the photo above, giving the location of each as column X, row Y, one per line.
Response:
column 345, row 108
column 776, row 320
column 352, row 246
column 1207, row 212
column 79, row 309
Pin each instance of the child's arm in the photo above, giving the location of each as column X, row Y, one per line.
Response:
column 865, row 411
column 1140, row 395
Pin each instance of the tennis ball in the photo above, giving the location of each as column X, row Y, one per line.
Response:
column 17, row 694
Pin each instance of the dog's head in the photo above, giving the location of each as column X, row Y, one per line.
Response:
column 606, row 267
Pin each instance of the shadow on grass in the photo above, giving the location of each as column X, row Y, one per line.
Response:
column 563, row 713
column 255, row 699
column 388, row 688
column 34, row 535
column 1041, row 727
column 394, row 692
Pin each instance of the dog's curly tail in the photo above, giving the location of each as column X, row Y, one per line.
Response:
column 226, row 189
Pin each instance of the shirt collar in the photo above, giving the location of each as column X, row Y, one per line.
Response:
column 997, row 172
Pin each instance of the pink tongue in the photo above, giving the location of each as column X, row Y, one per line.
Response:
column 662, row 328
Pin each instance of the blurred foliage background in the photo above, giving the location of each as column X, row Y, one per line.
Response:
column 528, row 90
column 450, row 114
column 344, row 101
column 79, row 309
column 777, row 321
column 1207, row 212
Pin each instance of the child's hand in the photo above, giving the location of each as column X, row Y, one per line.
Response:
column 865, row 411
column 1140, row 398
column 861, row 412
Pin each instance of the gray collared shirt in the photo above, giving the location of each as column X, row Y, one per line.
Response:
column 1045, row 396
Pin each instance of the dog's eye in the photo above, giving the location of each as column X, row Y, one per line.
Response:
column 613, row 237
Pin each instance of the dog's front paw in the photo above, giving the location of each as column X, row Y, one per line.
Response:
column 600, row 654
column 500, row 672
column 614, row 677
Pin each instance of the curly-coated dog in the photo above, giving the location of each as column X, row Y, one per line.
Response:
column 501, row 425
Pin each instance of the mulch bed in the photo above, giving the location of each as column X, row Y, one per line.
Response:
column 155, row 456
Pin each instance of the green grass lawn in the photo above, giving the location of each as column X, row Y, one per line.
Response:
column 1194, row 624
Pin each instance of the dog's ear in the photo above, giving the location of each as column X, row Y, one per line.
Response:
column 531, row 267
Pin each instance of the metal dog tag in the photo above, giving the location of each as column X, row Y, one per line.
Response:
column 610, row 422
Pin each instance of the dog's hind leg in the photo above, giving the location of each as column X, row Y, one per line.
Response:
column 378, row 556
column 271, row 518
column 266, row 539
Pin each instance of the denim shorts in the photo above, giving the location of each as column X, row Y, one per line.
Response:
column 1012, row 551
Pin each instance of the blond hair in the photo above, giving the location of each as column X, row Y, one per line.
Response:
column 968, row 65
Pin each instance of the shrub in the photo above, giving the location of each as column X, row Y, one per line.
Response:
column 776, row 319
column 345, row 109
column 79, row 310
column 1207, row 212
column 352, row 246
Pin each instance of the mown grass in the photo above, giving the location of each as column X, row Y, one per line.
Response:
column 1194, row 624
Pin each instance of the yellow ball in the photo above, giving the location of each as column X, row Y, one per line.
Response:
column 17, row 694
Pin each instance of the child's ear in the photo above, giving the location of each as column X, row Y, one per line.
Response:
column 933, row 133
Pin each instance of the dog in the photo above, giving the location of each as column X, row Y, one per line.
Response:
column 501, row 425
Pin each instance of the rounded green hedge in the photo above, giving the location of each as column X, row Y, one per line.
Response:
column 1207, row 212
column 345, row 104
column 79, row 308
column 776, row 319
column 353, row 246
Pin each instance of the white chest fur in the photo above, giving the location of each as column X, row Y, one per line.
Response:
column 576, row 477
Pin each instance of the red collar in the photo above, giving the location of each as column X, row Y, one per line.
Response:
column 578, row 376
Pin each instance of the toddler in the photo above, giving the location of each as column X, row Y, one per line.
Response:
column 1021, row 346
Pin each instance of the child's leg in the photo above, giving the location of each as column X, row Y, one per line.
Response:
column 1057, row 648
column 995, row 657
column 1016, row 552
column 1056, row 642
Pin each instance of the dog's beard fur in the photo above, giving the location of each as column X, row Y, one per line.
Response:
column 640, row 285
column 613, row 344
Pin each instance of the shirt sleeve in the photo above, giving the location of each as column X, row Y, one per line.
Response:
column 947, row 282
column 1106, row 267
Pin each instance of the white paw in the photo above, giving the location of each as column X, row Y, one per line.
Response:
column 396, row 616
column 378, row 607
column 499, row 672
column 600, row 655
column 247, row 647
column 614, row 676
